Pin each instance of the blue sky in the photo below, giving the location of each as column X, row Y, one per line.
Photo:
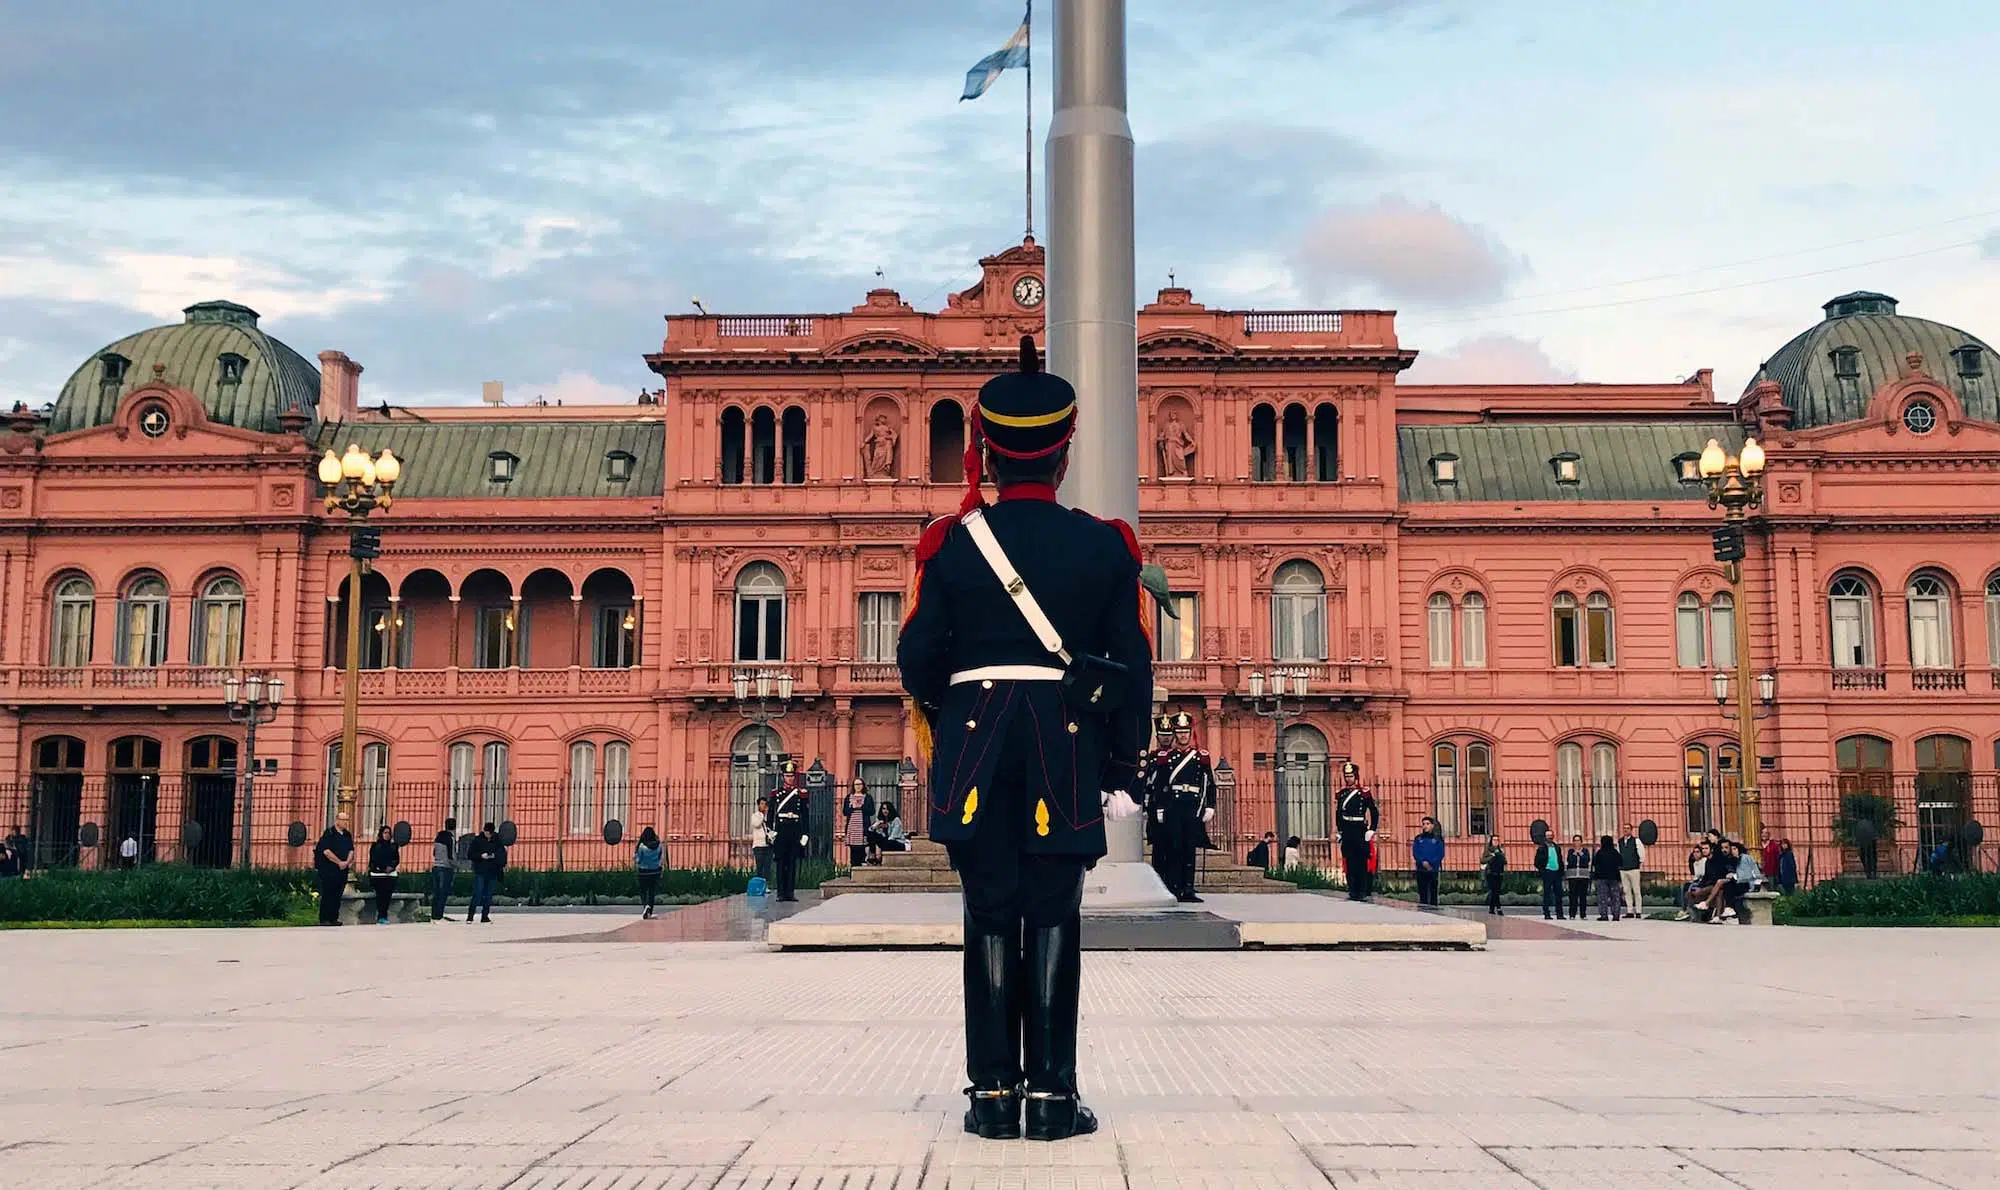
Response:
column 452, row 192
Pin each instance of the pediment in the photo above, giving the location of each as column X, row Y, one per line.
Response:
column 1887, row 436
column 163, row 424
column 880, row 343
column 1183, row 342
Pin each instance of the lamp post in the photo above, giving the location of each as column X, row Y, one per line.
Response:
column 763, row 696
column 357, row 483
column 1736, row 486
column 1281, row 700
column 252, row 699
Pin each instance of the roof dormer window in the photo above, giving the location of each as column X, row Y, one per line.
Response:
column 1971, row 361
column 500, row 467
column 231, row 368
column 1444, row 468
column 1687, row 467
column 1565, row 467
column 1847, row 362
column 114, row 366
column 618, row 466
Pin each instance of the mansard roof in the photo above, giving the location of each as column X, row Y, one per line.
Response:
column 553, row 460
column 1514, row 462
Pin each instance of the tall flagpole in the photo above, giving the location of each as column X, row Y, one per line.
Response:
column 1028, row 137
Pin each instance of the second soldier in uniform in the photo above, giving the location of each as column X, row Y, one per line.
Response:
column 1356, row 817
column 1027, row 661
column 1180, row 803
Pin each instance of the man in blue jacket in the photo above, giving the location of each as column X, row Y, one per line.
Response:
column 1427, row 850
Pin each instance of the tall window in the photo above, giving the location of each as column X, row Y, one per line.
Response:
column 499, row 635
column 1472, row 630
column 142, row 622
column 618, row 781
column 75, row 618
column 1568, row 631
column 1569, row 789
column 1597, row 629
column 1177, row 639
column 1298, row 613
column 1295, row 444
column 1587, row 799
column 371, row 786
column 1326, row 444
column 1462, row 787
column 732, row 445
column 1437, row 622
column 1604, row 788
column 463, row 780
column 1308, row 780
column 386, row 633
column 881, row 620
column 1852, row 611
column 947, row 443
column 756, row 758
column 582, row 787
column 1993, row 621
column 1863, row 764
column 616, row 641
column 760, row 613
column 763, row 446
column 218, row 624
column 1722, row 629
column 793, row 445
column 493, row 780
column 1690, row 634
column 1263, row 444
column 1930, row 623
column 1444, row 786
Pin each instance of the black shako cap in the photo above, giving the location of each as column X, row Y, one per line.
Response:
column 1027, row 413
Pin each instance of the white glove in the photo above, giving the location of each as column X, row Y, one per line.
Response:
column 1118, row 805
column 1207, row 816
column 1371, row 836
column 805, row 844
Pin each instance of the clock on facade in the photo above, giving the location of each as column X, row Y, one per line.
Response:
column 1028, row 291
column 153, row 422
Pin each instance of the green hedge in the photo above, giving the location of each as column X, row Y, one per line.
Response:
column 1900, row 898
column 540, row 887
column 157, row 892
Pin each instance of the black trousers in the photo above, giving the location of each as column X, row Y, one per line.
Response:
column 1493, row 884
column 1427, row 886
column 1354, row 856
column 1023, row 934
column 385, row 891
column 1175, row 843
column 1579, row 896
column 1552, row 894
column 785, row 859
column 331, row 885
column 649, row 887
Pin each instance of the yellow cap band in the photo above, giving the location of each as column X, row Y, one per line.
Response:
column 1027, row 423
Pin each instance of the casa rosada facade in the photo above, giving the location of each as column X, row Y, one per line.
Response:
column 1502, row 599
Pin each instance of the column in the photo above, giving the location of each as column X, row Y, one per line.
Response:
column 453, row 659
column 576, row 630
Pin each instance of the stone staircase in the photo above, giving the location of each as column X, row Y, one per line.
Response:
column 927, row 868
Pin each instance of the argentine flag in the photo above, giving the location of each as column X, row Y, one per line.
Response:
column 1014, row 53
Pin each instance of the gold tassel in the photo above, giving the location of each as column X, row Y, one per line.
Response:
column 1041, row 818
column 920, row 727
column 971, row 806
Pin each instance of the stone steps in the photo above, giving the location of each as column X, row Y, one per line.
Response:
column 926, row 867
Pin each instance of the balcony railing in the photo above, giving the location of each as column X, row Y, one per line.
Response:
column 1329, row 678
column 1937, row 679
column 764, row 326
column 136, row 683
column 447, row 683
column 1860, row 679
column 1293, row 322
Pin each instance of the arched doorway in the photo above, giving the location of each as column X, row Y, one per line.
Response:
column 1944, row 798
column 756, row 759
column 1307, row 781
column 210, row 799
column 135, row 796
column 56, row 813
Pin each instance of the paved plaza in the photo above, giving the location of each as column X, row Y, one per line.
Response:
column 579, row 1050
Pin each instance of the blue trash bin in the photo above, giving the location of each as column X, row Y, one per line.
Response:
column 757, row 887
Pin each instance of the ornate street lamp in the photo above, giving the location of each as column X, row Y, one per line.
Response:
column 1736, row 486
column 251, row 699
column 358, row 483
column 1281, row 700
column 763, row 696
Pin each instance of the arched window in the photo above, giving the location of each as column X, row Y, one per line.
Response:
column 1944, row 793
column 732, row 446
column 947, row 443
column 1263, row 444
column 1863, row 764
column 1445, row 786
column 1722, row 629
column 1690, row 634
column 1437, row 619
column 142, row 622
column 56, row 813
column 1472, row 630
column 74, row 621
column 583, row 788
column 493, row 780
column 1479, row 816
column 618, row 781
column 1930, row 623
column 1298, row 613
column 1308, row 780
column 1598, row 629
column 463, row 785
column 756, row 757
column 1326, row 444
column 1587, row 798
column 218, row 624
column 1711, row 780
column 1993, row 621
column 1295, row 443
column 1462, row 786
column 794, row 445
column 1851, row 608
column 1604, row 787
column 371, row 787
column 763, row 445
column 760, row 613
column 1568, row 630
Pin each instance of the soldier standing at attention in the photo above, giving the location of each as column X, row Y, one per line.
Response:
column 1027, row 662
column 1153, row 780
column 1187, row 795
column 1357, row 817
column 786, row 811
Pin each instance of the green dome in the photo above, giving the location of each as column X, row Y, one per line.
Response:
column 244, row 377
column 1829, row 373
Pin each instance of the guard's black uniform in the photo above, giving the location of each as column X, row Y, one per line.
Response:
column 787, row 815
column 1357, row 818
column 1178, row 798
column 1017, row 774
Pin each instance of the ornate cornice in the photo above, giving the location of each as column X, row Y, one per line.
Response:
column 988, row 362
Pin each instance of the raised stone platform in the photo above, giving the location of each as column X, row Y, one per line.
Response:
column 1224, row 921
column 926, row 868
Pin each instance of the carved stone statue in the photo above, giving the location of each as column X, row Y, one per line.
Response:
column 1176, row 445
column 878, row 450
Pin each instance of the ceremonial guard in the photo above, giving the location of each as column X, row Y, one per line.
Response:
column 1357, row 817
column 1180, row 803
column 1153, row 784
column 788, row 816
column 1027, row 663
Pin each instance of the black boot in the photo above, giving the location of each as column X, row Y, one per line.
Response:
column 992, row 1033
column 1054, row 969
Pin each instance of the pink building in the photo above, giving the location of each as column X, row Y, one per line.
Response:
column 1502, row 598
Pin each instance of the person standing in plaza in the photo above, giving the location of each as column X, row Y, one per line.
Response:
column 1604, row 874
column 333, row 855
column 647, row 860
column 787, row 813
column 1576, row 869
column 1631, row 861
column 857, row 809
column 489, row 861
column 1025, row 656
column 1494, row 865
column 1187, row 793
column 1357, row 818
column 1787, row 874
column 1152, row 795
column 1549, row 866
column 1427, row 855
column 760, row 843
column 444, row 866
column 385, row 859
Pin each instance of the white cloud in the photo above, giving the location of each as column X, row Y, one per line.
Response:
column 162, row 284
column 1488, row 359
column 1402, row 251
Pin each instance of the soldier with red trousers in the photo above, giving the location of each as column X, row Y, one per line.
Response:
column 1356, row 817
column 1027, row 662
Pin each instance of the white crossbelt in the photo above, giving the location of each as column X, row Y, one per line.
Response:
column 1024, row 599
column 1008, row 673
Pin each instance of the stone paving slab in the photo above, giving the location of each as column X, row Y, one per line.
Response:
column 456, row 1056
